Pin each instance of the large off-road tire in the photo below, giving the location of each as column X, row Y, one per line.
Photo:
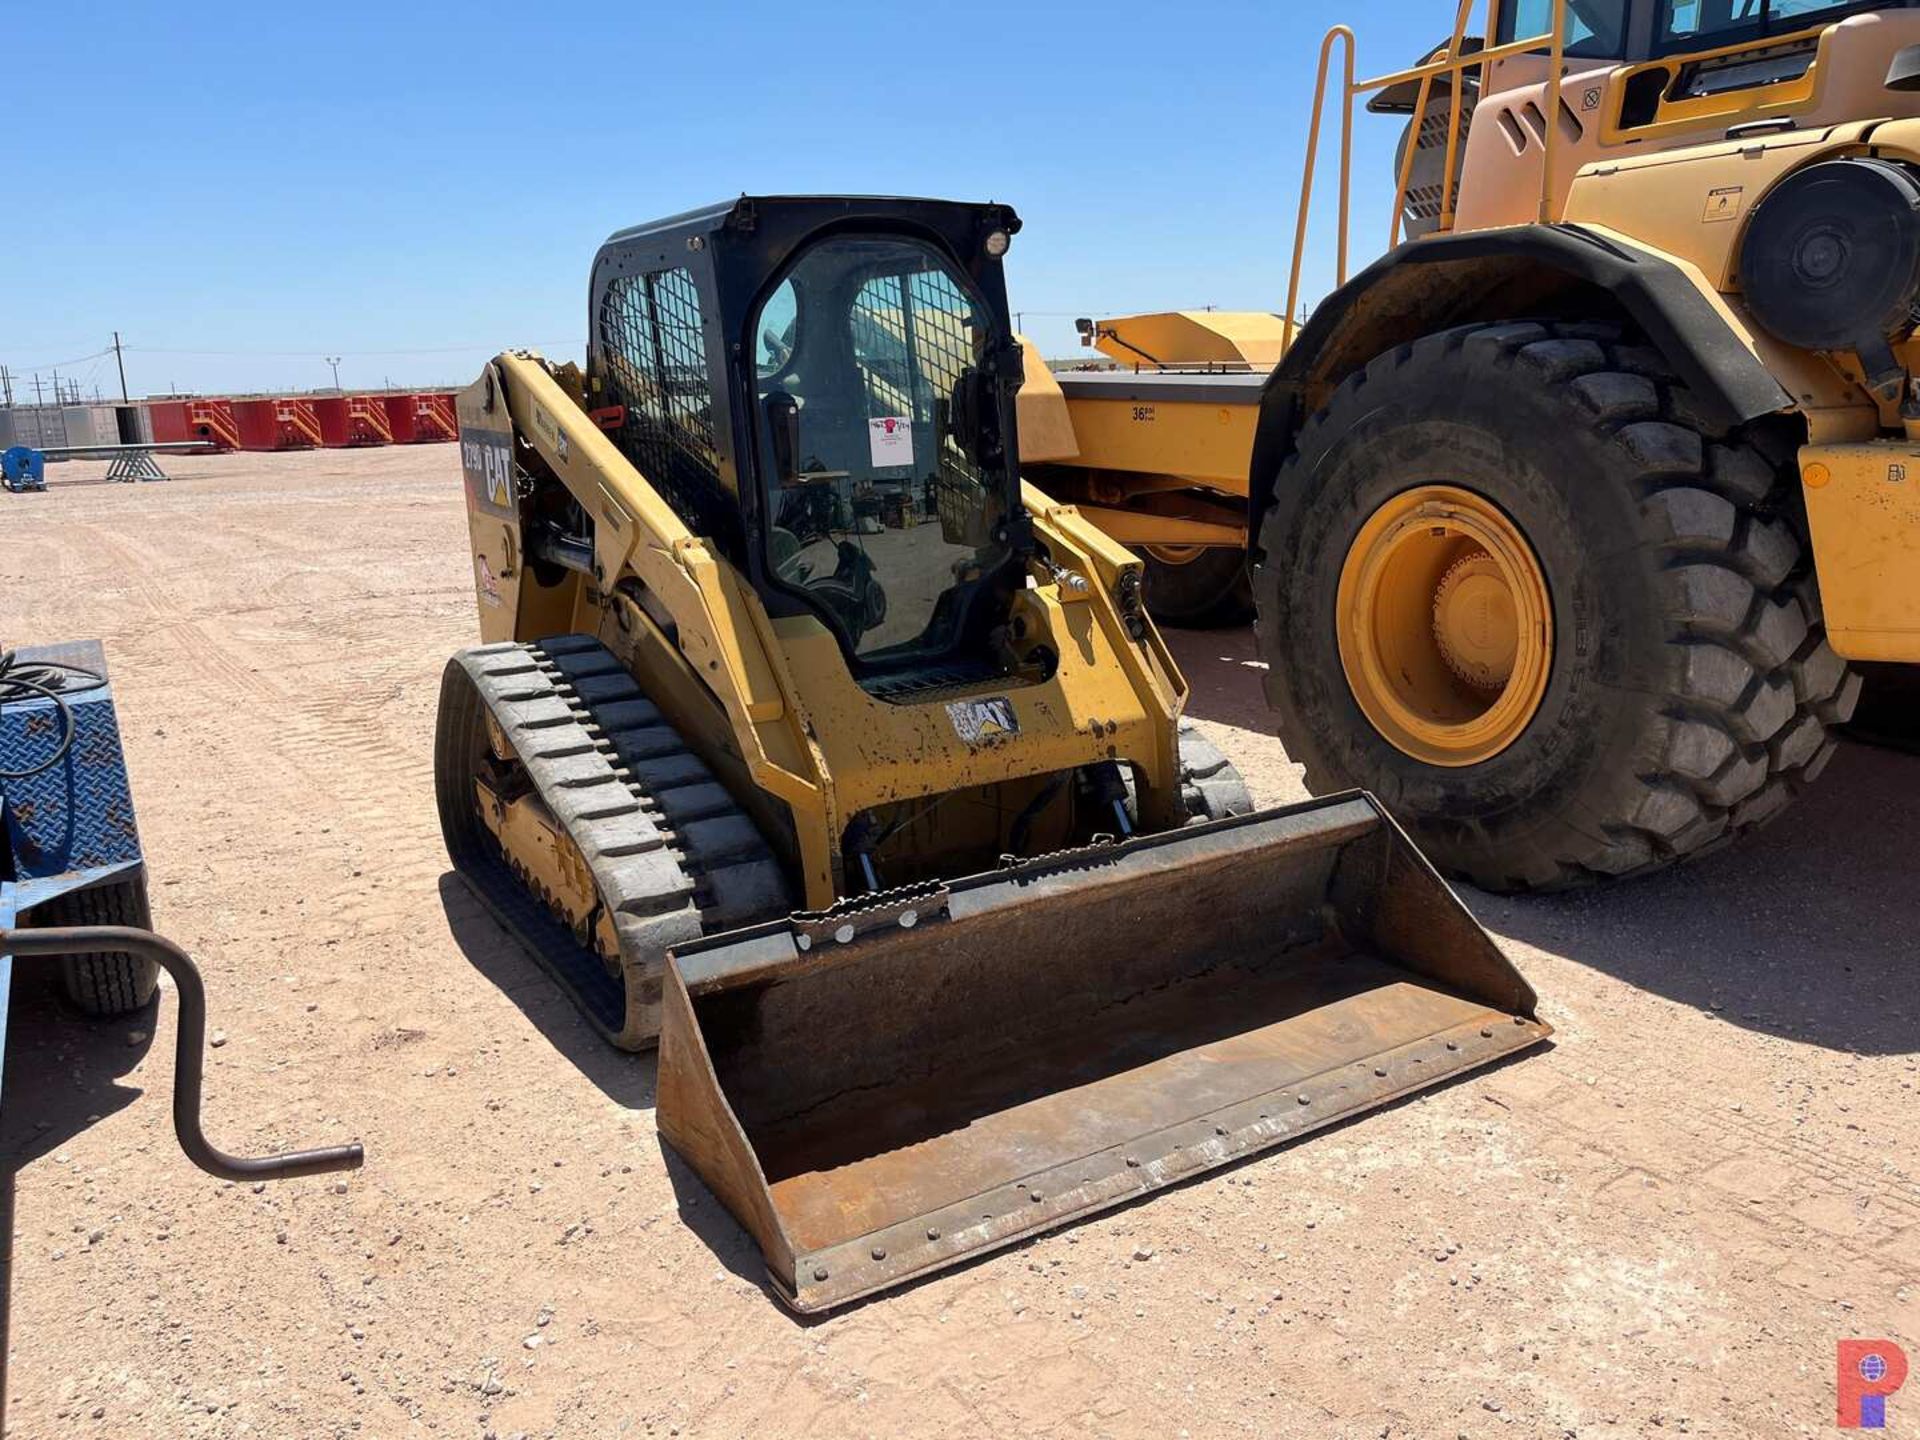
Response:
column 1198, row 588
column 114, row 983
column 1687, row 692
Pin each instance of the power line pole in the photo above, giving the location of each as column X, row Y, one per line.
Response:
column 36, row 389
column 334, row 362
column 6, row 387
column 122, row 365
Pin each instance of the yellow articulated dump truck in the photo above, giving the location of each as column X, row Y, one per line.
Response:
column 1154, row 448
column 810, row 743
column 1576, row 516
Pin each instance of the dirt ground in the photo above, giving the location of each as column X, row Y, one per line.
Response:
column 1660, row 1225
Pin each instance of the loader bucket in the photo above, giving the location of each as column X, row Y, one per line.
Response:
column 908, row 1080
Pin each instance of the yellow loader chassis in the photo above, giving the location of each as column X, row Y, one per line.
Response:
column 1863, row 507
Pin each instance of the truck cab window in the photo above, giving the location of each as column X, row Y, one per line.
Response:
column 1596, row 29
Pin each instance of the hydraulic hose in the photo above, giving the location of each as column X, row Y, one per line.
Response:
column 43, row 680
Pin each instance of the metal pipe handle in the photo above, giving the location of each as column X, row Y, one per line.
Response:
column 189, row 1047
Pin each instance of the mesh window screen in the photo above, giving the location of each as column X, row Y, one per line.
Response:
column 923, row 334
column 655, row 362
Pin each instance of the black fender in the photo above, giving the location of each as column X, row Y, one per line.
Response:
column 1512, row 273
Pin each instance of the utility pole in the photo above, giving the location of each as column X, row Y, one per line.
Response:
column 334, row 361
column 6, row 388
column 122, row 364
column 36, row 389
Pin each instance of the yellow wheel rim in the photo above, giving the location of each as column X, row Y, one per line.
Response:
column 1175, row 554
column 1446, row 630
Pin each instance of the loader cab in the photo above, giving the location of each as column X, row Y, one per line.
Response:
column 876, row 507
column 1636, row 30
column 825, row 387
column 1596, row 29
column 1638, row 76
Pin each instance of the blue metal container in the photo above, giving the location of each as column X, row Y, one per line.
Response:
column 71, row 824
column 22, row 468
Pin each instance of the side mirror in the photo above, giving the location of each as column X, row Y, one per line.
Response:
column 783, row 426
column 973, row 419
column 1903, row 74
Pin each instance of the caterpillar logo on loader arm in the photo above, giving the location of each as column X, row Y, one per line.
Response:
column 810, row 743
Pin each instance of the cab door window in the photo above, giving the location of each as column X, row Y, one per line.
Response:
column 876, row 515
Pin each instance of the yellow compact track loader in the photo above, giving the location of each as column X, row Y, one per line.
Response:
column 812, row 744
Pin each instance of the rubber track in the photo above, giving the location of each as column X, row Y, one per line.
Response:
column 1209, row 784
column 673, row 856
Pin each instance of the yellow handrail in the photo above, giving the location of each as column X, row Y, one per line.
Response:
column 1556, row 62
column 1338, row 32
column 1454, row 107
column 1452, row 64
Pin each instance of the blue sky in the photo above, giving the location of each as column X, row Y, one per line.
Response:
column 242, row 190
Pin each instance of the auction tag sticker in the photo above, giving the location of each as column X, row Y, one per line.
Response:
column 489, row 587
column 890, row 440
column 981, row 722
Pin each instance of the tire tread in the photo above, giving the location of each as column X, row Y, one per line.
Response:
column 1747, row 723
column 114, row 983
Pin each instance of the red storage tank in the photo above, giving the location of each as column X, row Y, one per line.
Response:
column 176, row 422
column 277, row 424
column 422, row 417
column 352, row 420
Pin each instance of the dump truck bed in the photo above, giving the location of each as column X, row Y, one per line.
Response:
column 1169, row 387
column 1198, row 423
